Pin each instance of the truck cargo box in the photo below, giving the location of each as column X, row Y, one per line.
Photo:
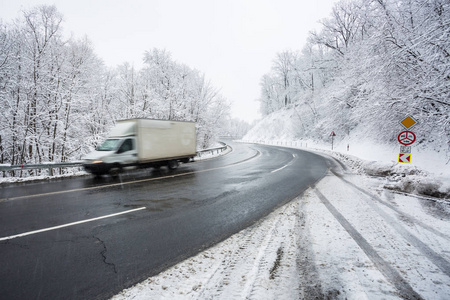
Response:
column 158, row 139
column 144, row 143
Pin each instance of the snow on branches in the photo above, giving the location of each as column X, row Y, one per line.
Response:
column 372, row 63
column 58, row 99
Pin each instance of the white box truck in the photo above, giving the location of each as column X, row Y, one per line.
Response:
column 142, row 143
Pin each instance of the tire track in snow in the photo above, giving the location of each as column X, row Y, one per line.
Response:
column 434, row 257
column 392, row 207
column 263, row 249
column 244, row 266
column 384, row 267
column 309, row 281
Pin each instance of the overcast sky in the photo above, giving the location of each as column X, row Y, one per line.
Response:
column 233, row 42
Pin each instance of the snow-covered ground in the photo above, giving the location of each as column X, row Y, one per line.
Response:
column 348, row 237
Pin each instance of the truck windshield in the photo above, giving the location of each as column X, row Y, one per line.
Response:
column 108, row 145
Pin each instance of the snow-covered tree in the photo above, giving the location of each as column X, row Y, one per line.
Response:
column 372, row 63
column 58, row 99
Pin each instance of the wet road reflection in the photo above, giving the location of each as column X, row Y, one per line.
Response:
column 178, row 213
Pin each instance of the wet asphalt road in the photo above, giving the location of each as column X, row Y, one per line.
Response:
column 89, row 251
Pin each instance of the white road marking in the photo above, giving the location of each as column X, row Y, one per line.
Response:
column 286, row 165
column 69, row 224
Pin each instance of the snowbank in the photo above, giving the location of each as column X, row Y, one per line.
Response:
column 76, row 172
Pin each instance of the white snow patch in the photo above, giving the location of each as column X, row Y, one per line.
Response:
column 74, row 173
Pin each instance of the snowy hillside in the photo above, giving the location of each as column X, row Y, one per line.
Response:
column 368, row 68
column 428, row 173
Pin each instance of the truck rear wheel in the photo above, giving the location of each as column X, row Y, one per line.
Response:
column 172, row 164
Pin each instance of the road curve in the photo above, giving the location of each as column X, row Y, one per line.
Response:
column 84, row 238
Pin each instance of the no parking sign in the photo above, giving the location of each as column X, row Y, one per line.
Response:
column 406, row 138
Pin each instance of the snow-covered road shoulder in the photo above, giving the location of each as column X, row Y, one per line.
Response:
column 256, row 263
column 373, row 246
column 345, row 238
column 399, row 177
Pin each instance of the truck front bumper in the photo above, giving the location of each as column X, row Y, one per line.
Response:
column 97, row 168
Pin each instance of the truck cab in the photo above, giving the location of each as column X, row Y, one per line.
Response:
column 113, row 153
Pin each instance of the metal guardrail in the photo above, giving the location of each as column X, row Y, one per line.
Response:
column 39, row 166
column 211, row 150
column 51, row 166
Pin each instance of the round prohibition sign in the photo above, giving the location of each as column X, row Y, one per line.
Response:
column 406, row 138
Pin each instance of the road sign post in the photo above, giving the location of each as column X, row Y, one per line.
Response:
column 406, row 139
column 332, row 139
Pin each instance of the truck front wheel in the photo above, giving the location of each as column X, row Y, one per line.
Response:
column 115, row 170
column 172, row 164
